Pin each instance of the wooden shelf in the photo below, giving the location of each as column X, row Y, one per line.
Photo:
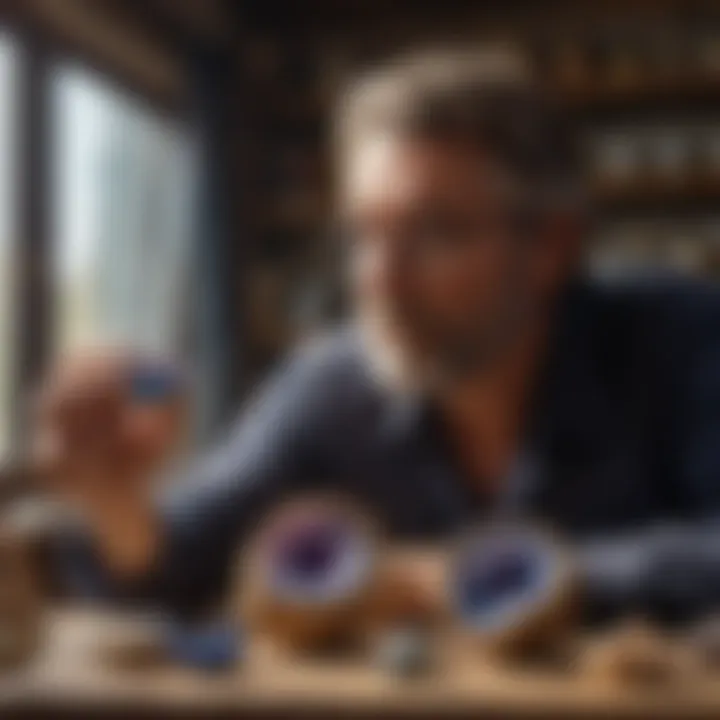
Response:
column 656, row 193
column 670, row 94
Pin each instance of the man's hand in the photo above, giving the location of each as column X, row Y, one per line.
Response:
column 104, row 423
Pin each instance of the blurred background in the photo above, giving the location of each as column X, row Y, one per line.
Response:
column 165, row 177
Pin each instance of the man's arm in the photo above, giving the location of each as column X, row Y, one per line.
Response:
column 181, row 548
column 671, row 574
column 672, row 569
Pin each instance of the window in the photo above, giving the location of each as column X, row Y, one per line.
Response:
column 98, row 250
column 122, row 218
column 9, row 73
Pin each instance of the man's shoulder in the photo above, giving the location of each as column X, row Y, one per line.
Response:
column 663, row 302
column 330, row 367
column 662, row 320
column 334, row 354
column 318, row 387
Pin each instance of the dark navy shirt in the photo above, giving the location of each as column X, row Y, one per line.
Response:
column 622, row 455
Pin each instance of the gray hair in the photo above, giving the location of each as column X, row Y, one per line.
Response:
column 486, row 100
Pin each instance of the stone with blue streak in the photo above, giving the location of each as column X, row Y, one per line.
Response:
column 213, row 647
column 154, row 382
column 497, row 580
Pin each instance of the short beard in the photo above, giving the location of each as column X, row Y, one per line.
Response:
column 457, row 360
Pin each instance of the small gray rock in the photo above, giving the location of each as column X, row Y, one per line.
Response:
column 404, row 652
column 704, row 638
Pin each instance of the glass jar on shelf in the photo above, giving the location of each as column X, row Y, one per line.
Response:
column 616, row 156
column 670, row 154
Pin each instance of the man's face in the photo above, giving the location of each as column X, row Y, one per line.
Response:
column 444, row 281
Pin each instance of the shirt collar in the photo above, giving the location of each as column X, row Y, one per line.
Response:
column 568, row 424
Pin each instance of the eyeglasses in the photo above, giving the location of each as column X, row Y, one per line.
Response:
column 438, row 235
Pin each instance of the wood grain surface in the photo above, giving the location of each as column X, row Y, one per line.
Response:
column 73, row 676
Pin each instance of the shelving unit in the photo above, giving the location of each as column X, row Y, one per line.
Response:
column 644, row 76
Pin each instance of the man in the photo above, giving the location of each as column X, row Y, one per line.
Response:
column 483, row 374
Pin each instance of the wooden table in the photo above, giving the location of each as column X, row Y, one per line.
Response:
column 73, row 678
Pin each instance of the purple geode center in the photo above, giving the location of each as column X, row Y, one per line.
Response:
column 317, row 559
column 496, row 579
column 309, row 552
